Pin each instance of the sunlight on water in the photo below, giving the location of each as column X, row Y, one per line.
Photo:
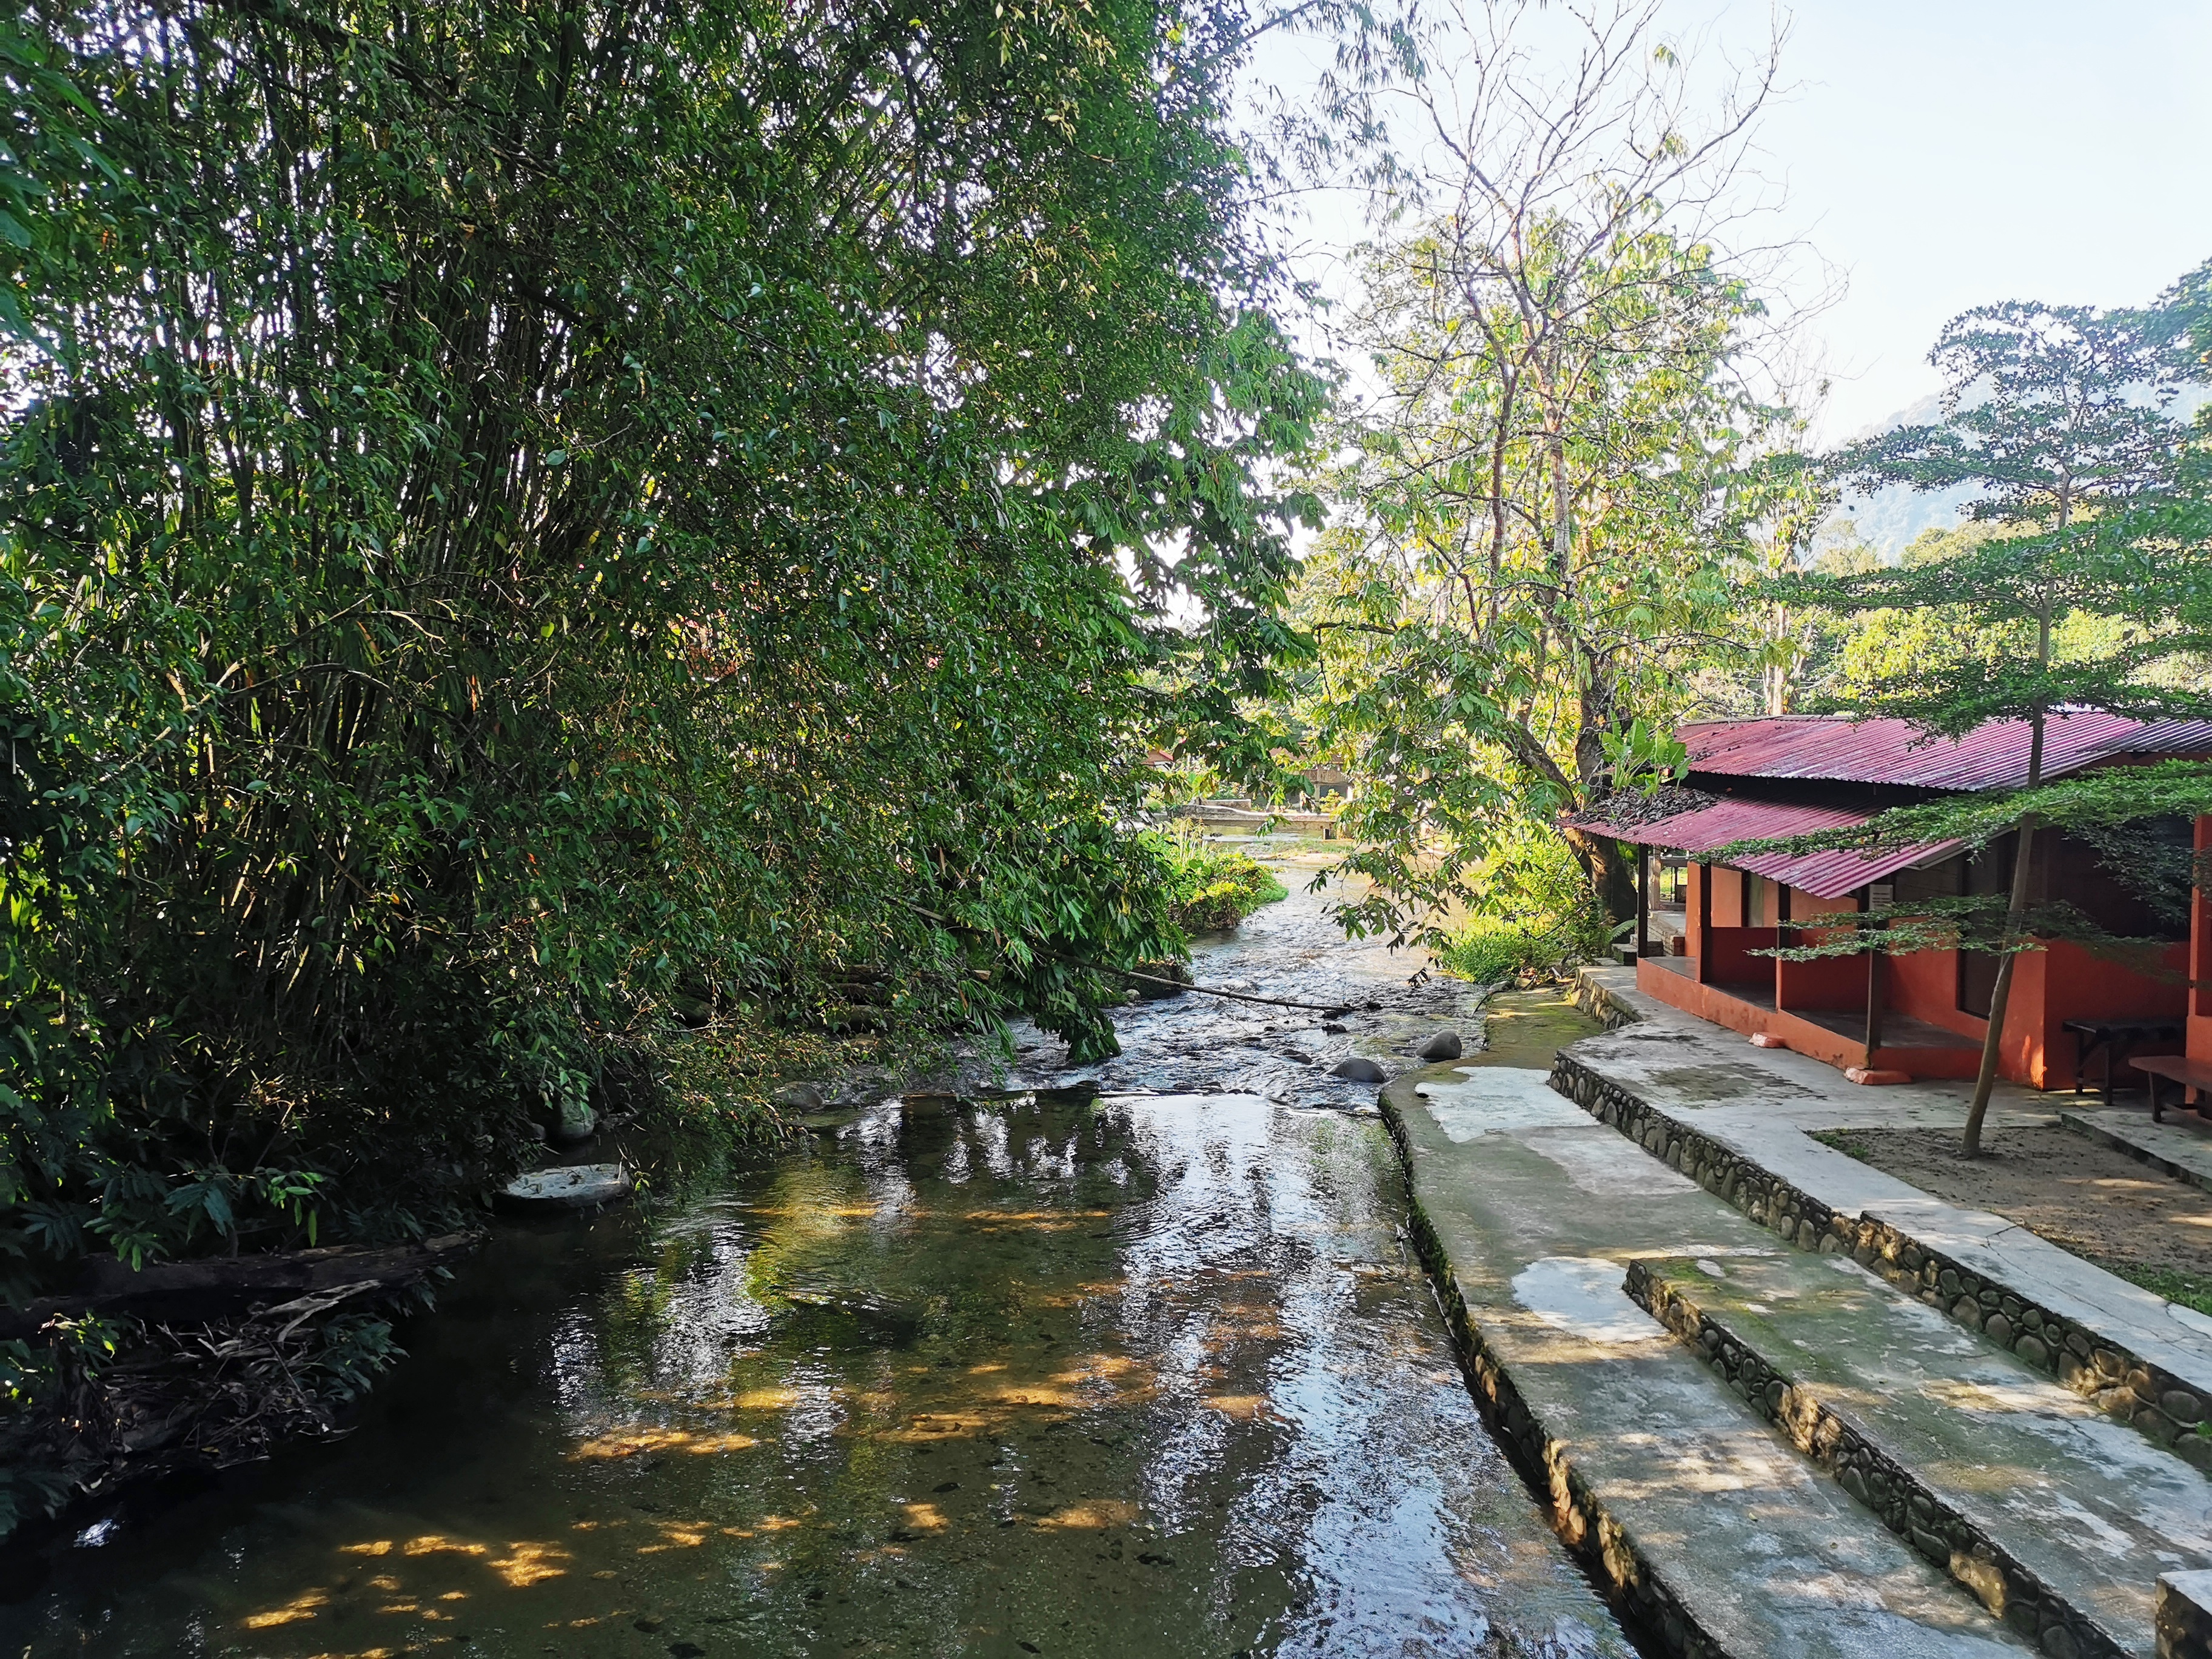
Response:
column 1057, row 1375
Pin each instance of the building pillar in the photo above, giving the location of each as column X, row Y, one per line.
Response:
column 1643, row 902
column 1782, row 931
column 1705, row 918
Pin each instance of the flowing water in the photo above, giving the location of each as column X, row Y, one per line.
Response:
column 1058, row 1373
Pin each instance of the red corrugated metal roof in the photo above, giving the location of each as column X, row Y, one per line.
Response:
column 1992, row 757
column 1824, row 875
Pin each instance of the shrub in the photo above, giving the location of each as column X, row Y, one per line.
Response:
column 1538, row 916
column 1489, row 949
column 1213, row 891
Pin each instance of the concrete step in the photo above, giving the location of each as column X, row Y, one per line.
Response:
column 1735, row 1118
column 2059, row 1519
column 1722, row 1540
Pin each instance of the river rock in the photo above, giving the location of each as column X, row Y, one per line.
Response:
column 830, row 1119
column 575, row 1123
column 1358, row 1068
column 567, row 1187
column 797, row 1098
column 1441, row 1045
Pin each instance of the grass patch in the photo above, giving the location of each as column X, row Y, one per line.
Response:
column 2192, row 1290
column 1491, row 949
column 1844, row 1142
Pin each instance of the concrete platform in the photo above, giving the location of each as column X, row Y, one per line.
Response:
column 1719, row 1537
column 2059, row 1518
column 2180, row 1147
column 1735, row 1118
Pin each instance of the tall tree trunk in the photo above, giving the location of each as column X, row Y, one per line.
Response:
column 1611, row 869
column 1777, row 673
column 2001, row 993
column 1985, row 1080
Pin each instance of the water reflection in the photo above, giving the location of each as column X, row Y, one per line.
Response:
column 1057, row 1375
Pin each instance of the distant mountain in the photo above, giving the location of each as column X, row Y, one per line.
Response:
column 1889, row 518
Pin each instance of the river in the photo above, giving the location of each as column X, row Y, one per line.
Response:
column 1147, row 1372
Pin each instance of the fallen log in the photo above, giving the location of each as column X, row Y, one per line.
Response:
column 190, row 1292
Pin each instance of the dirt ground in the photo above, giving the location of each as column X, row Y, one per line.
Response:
column 2081, row 1196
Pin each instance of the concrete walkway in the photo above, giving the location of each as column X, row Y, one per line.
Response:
column 1736, row 1117
column 2181, row 1146
column 1720, row 1537
column 2059, row 1518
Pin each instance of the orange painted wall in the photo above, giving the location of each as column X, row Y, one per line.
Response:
column 2050, row 986
column 1729, row 961
column 1925, row 985
column 1827, row 982
column 1728, row 896
column 2072, row 984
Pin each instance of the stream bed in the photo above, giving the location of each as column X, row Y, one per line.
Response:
column 1146, row 1372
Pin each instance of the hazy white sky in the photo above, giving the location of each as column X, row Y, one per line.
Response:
column 1942, row 154
column 1948, row 153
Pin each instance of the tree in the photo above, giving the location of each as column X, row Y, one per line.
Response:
column 1539, row 511
column 2058, row 415
column 520, row 526
column 1797, row 499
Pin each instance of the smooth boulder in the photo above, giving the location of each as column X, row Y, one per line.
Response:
column 568, row 1187
column 797, row 1098
column 1440, row 1045
column 1358, row 1068
column 577, row 1123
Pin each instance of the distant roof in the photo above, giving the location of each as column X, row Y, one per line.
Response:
column 1698, row 822
column 1991, row 757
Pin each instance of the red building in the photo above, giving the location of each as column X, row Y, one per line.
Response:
column 1922, row 1014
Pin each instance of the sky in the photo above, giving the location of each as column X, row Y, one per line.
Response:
column 1942, row 154
column 1949, row 153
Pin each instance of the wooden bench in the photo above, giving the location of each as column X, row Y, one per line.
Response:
column 2115, row 1037
column 2189, row 1074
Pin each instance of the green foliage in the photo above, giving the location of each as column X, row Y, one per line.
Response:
column 1542, row 511
column 516, row 524
column 2047, row 410
column 1490, row 950
column 1483, row 671
column 2057, row 413
column 1536, row 915
column 1214, row 890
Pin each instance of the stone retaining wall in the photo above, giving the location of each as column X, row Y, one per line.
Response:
column 1600, row 1004
column 2162, row 1406
column 1642, row 1597
column 2184, row 1615
column 1906, row 1506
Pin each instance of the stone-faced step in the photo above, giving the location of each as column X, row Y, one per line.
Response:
column 2184, row 1615
column 2143, row 1360
column 2059, row 1518
column 1717, row 1535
